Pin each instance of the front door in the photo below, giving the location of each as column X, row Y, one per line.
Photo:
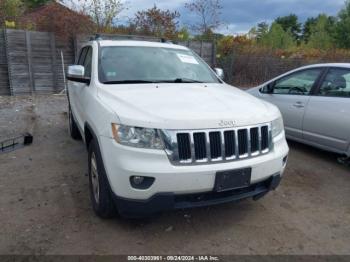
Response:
column 78, row 91
column 291, row 95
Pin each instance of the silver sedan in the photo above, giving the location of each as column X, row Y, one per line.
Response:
column 315, row 104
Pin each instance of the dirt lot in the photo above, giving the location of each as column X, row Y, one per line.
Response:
column 45, row 208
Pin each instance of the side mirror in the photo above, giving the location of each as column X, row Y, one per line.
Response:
column 220, row 73
column 76, row 73
column 268, row 89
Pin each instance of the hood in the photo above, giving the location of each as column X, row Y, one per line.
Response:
column 185, row 106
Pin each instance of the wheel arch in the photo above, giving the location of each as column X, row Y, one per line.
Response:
column 89, row 135
column 108, row 205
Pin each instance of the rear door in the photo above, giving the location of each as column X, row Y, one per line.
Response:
column 327, row 116
column 291, row 95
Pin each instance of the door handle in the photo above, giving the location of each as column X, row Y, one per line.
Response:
column 299, row 104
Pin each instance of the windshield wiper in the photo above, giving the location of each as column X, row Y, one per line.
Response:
column 129, row 82
column 182, row 80
column 136, row 81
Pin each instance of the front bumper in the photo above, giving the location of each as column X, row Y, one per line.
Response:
column 122, row 162
column 168, row 201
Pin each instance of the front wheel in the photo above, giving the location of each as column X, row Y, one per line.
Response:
column 100, row 195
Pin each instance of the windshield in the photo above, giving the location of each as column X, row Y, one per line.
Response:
column 128, row 64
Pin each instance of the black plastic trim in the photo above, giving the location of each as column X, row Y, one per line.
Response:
column 85, row 80
column 132, row 208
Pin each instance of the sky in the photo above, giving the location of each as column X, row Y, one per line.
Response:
column 241, row 15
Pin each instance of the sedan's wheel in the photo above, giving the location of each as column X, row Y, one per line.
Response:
column 73, row 128
column 100, row 193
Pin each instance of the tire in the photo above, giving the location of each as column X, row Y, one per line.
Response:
column 73, row 128
column 100, row 194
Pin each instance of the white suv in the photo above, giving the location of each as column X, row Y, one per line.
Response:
column 163, row 131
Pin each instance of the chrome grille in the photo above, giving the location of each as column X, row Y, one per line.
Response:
column 200, row 146
column 212, row 145
column 183, row 142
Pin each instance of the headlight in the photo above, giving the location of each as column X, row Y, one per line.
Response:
column 137, row 136
column 277, row 126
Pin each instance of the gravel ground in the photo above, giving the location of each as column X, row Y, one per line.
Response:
column 45, row 208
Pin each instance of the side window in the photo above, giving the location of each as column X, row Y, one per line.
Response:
column 82, row 56
column 88, row 62
column 336, row 83
column 299, row 83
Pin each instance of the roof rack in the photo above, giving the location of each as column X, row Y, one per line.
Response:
column 128, row 37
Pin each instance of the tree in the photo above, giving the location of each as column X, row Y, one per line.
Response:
column 225, row 45
column 259, row 31
column 124, row 29
column 290, row 23
column 342, row 28
column 10, row 10
column 104, row 13
column 206, row 36
column 35, row 3
column 208, row 11
column 320, row 37
column 252, row 33
column 277, row 38
column 42, row 19
column 308, row 25
column 262, row 30
column 183, row 34
column 157, row 22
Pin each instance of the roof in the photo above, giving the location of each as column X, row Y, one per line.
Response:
column 140, row 43
column 346, row 65
column 35, row 15
column 38, row 10
column 342, row 65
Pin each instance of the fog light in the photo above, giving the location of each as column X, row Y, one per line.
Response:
column 141, row 182
column 138, row 180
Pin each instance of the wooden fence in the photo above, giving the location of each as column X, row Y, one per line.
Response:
column 34, row 61
column 31, row 62
column 4, row 81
